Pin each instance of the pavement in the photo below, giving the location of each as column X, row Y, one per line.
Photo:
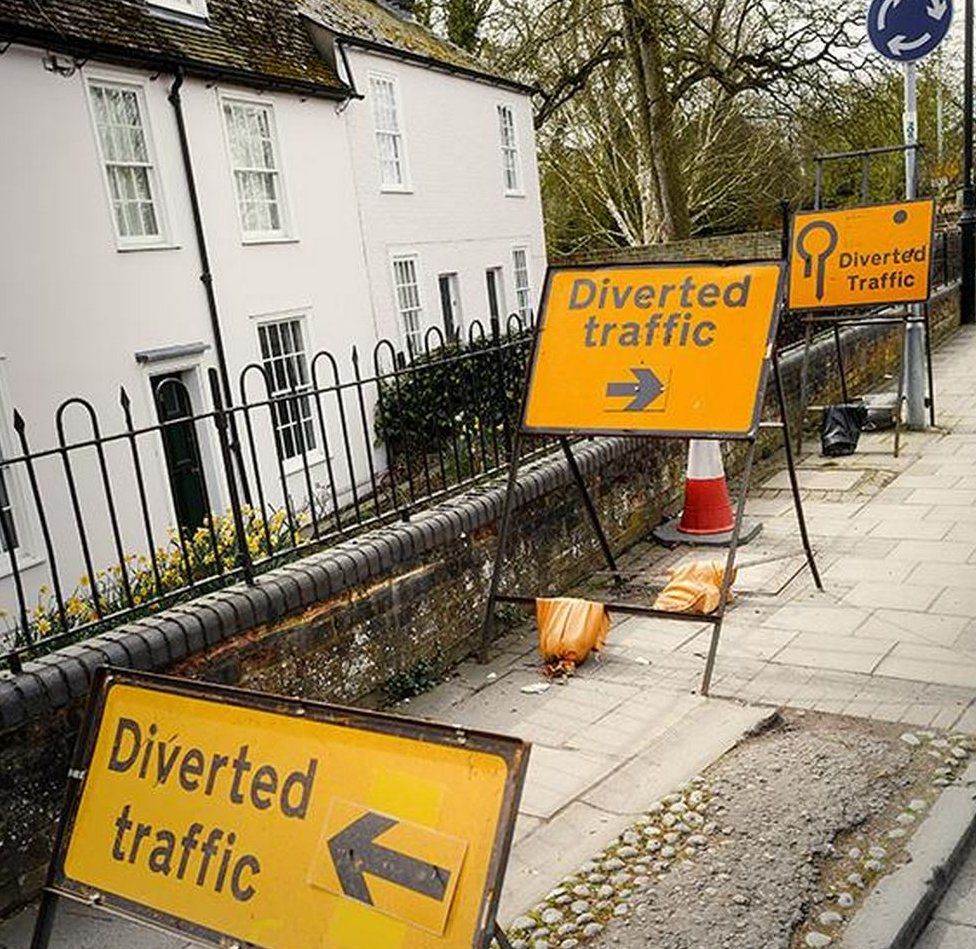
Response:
column 892, row 637
column 954, row 924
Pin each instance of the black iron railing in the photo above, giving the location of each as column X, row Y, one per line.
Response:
column 315, row 449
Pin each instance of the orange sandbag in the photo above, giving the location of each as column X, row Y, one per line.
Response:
column 569, row 629
column 692, row 587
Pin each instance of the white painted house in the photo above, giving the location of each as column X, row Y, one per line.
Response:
column 198, row 184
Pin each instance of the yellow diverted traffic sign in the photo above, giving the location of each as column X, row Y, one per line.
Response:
column 668, row 349
column 286, row 824
column 863, row 256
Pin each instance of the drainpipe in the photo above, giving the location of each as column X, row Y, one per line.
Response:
column 206, row 277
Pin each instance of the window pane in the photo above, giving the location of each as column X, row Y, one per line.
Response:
column 283, row 354
column 250, row 132
column 128, row 163
column 8, row 530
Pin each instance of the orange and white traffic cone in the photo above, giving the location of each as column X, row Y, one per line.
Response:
column 707, row 516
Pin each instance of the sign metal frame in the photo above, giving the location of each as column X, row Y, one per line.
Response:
column 770, row 368
column 58, row 885
column 867, row 314
column 641, row 432
column 816, row 308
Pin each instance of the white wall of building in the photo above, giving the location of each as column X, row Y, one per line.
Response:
column 454, row 213
column 77, row 308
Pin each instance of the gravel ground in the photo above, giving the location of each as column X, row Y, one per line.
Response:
column 773, row 847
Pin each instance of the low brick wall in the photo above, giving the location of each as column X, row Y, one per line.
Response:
column 346, row 624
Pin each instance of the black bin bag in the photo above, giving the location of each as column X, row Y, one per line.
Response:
column 841, row 427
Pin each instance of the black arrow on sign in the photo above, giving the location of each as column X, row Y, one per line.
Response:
column 355, row 852
column 644, row 391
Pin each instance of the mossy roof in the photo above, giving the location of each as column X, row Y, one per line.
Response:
column 248, row 39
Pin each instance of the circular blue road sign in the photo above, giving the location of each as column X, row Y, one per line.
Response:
column 906, row 30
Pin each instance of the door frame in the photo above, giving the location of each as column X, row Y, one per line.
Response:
column 192, row 371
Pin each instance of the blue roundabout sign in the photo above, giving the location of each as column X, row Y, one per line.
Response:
column 907, row 30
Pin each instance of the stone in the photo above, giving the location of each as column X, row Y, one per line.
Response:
column 627, row 851
column 579, row 907
column 522, row 924
column 592, row 929
column 622, row 909
column 630, row 837
column 816, row 940
column 909, row 739
column 656, row 808
column 959, row 753
column 582, row 890
column 551, row 916
column 855, row 879
column 667, row 852
column 739, row 899
column 620, row 879
column 829, row 918
column 653, row 845
column 854, row 853
column 698, row 840
column 877, row 853
column 651, row 831
column 605, row 892
column 614, row 863
column 845, row 899
column 896, row 834
column 566, row 929
column 905, row 818
column 569, row 944
column 873, row 866
column 679, row 807
column 917, row 805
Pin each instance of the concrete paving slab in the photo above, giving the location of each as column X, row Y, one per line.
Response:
column 933, row 551
column 905, row 596
column 907, row 626
column 929, row 664
column 814, row 617
column 827, row 651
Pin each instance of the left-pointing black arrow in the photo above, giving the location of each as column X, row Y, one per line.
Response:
column 354, row 852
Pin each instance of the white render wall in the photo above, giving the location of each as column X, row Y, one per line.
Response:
column 76, row 309
column 455, row 216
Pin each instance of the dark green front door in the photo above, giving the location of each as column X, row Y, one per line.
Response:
column 182, row 450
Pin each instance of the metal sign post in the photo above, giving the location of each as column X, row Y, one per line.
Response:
column 236, row 817
column 871, row 256
column 904, row 31
column 670, row 350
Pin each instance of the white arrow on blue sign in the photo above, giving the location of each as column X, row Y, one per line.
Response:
column 907, row 30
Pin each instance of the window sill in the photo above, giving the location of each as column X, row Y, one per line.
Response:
column 294, row 466
column 269, row 239
column 396, row 189
column 25, row 561
column 514, row 194
column 136, row 248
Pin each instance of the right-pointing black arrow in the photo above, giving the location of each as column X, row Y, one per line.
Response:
column 355, row 852
column 644, row 391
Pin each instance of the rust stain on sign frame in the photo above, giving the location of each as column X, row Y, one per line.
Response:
column 864, row 256
column 666, row 349
column 283, row 824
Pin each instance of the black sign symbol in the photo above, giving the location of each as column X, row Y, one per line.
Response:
column 644, row 391
column 354, row 852
column 822, row 255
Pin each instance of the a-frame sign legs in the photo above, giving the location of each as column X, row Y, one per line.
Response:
column 719, row 614
column 791, row 470
column 590, row 509
column 488, row 621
